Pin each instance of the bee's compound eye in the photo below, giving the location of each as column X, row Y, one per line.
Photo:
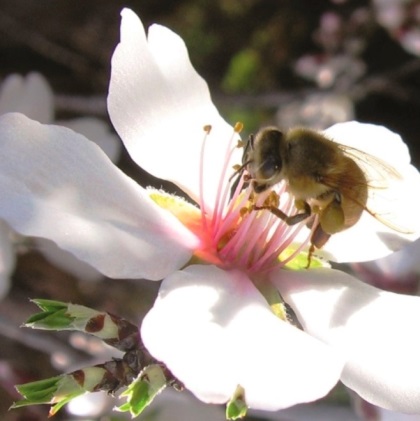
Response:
column 270, row 167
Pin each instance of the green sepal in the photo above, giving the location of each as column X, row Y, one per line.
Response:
column 37, row 392
column 56, row 391
column 237, row 408
column 54, row 316
column 49, row 305
column 59, row 390
column 50, row 320
column 143, row 390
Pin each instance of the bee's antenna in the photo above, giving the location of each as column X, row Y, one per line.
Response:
column 238, row 173
column 249, row 144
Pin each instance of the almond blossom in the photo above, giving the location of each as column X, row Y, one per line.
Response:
column 219, row 323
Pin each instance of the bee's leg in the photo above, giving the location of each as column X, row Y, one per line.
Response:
column 289, row 219
column 332, row 216
column 318, row 238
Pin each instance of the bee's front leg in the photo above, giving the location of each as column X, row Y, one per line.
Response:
column 289, row 219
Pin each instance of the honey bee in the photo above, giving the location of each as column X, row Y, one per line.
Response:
column 324, row 177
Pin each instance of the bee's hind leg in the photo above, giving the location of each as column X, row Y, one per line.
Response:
column 318, row 239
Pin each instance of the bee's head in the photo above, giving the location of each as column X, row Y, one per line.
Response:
column 263, row 158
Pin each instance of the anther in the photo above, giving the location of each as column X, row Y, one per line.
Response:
column 207, row 128
column 240, row 144
column 238, row 127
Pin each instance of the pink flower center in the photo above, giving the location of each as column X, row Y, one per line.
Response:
column 233, row 234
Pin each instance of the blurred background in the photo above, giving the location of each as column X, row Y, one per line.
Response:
column 283, row 62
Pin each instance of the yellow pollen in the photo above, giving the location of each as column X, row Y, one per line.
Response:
column 207, row 128
column 238, row 127
column 244, row 211
column 252, row 198
column 316, row 209
column 272, row 200
column 300, row 204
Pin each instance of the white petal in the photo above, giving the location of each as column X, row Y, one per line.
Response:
column 67, row 261
column 372, row 139
column 159, row 106
column 97, row 131
column 376, row 331
column 215, row 331
column 30, row 95
column 7, row 258
column 57, row 184
column 398, row 265
column 397, row 209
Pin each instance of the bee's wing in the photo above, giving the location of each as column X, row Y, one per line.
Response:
column 379, row 174
column 392, row 192
column 383, row 182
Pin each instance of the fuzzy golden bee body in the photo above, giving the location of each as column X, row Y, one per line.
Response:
column 323, row 176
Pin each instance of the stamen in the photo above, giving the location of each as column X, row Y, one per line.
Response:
column 280, row 235
column 273, row 252
column 304, row 243
column 227, row 221
column 252, row 242
column 207, row 130
column 241, row 236
column 284, row 235
column 221, row 200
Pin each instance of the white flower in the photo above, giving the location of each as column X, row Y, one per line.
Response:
column 211, row 324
